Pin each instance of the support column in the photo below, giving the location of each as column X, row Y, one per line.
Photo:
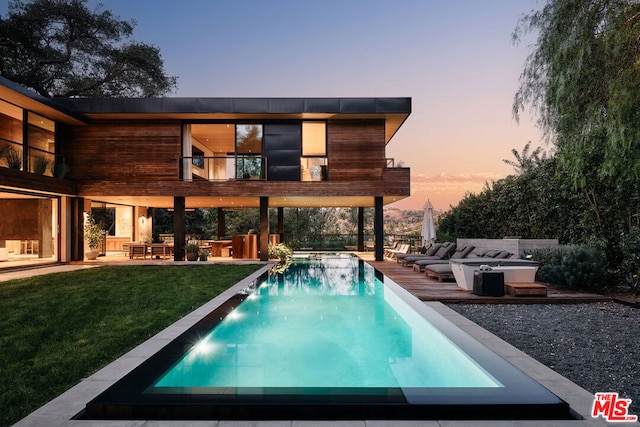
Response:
column 77, row 229
column 281, row 224
column 264, row 229
column 360, row 229
column 221, row 224
column 178, row 228
column 378, row 228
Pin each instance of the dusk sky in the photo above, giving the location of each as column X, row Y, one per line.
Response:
column 454, row 58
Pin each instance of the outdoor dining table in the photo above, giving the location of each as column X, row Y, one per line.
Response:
column 137, row 249
column 217, row 247
column 161, row 250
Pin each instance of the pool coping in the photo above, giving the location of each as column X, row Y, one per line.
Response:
column 59, row 411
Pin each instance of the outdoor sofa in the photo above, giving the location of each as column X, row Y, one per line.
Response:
column 458, row 252
column 439, row 251
column 443, row 270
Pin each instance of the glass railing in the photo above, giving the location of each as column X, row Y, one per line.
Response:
column 224, row 168
column 327, row 242
column 40, row 161
column 10, row 154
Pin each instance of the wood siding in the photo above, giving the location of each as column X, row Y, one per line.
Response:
column 31, row 181
column 141, row 158
column 396, row 183
column 356, row 150
column 135, row 151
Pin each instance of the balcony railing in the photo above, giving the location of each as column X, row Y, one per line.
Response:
column 224, row 168
column 40, row 161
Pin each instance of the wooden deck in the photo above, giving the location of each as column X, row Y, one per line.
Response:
column 427, row 289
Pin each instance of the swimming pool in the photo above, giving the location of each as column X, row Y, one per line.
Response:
column 331, row 338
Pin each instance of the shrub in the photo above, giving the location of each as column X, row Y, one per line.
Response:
column 280, row 252
column 572, row 267
column 283, row 254
column 628, row 274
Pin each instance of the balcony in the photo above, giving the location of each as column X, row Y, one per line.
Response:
column 41, row 162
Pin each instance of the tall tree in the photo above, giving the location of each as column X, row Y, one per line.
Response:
column 61, row 48
column 525, row 161
column 583, row 78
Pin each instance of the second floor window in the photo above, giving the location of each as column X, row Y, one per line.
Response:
column 249, row 139
column 313, row 163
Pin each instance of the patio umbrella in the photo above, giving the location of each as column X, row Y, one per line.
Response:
column 428, row 225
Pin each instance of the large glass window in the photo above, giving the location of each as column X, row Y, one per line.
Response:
column 249, row 139
column 223, row 151
column 28, row 229
column 40, row 141
column 42, row 148
column 314, row 139
column 313, row 163
column 10, row 136
column 249, row 164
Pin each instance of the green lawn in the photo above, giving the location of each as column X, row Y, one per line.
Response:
column 59, row 328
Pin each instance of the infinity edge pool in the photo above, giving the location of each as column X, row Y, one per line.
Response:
column 523, row 398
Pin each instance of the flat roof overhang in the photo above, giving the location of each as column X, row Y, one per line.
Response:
column 246, row 202
column 393, row 110
column 24, row 98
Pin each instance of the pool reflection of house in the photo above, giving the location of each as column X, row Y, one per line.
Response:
column 64, row 156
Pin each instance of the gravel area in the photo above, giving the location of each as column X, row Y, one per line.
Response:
column 596, row 346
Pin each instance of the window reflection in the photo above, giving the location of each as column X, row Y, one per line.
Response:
column 249, row 139
column 313, row 169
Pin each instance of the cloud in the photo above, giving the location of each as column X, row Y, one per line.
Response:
column 444, row 182
column 444, row 189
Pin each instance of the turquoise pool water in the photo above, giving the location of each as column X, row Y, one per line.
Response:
column 325, row 323
column 331, row 338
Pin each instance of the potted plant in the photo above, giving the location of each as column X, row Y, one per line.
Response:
column 93, row 234
column 41, row 164
column 13, row 158
column 191, row 251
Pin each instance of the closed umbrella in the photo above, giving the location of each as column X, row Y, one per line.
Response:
column 428, row 225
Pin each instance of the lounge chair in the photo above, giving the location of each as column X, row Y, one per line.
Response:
column 444, row 253
column 389, row 249
column 430, row 252
column 461, row 252
column 395, row 252
column 439, row 271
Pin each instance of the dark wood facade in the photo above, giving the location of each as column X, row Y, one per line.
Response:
column 135, row 151
column 356, row 150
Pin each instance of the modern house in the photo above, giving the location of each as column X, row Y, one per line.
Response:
column 61, row 157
